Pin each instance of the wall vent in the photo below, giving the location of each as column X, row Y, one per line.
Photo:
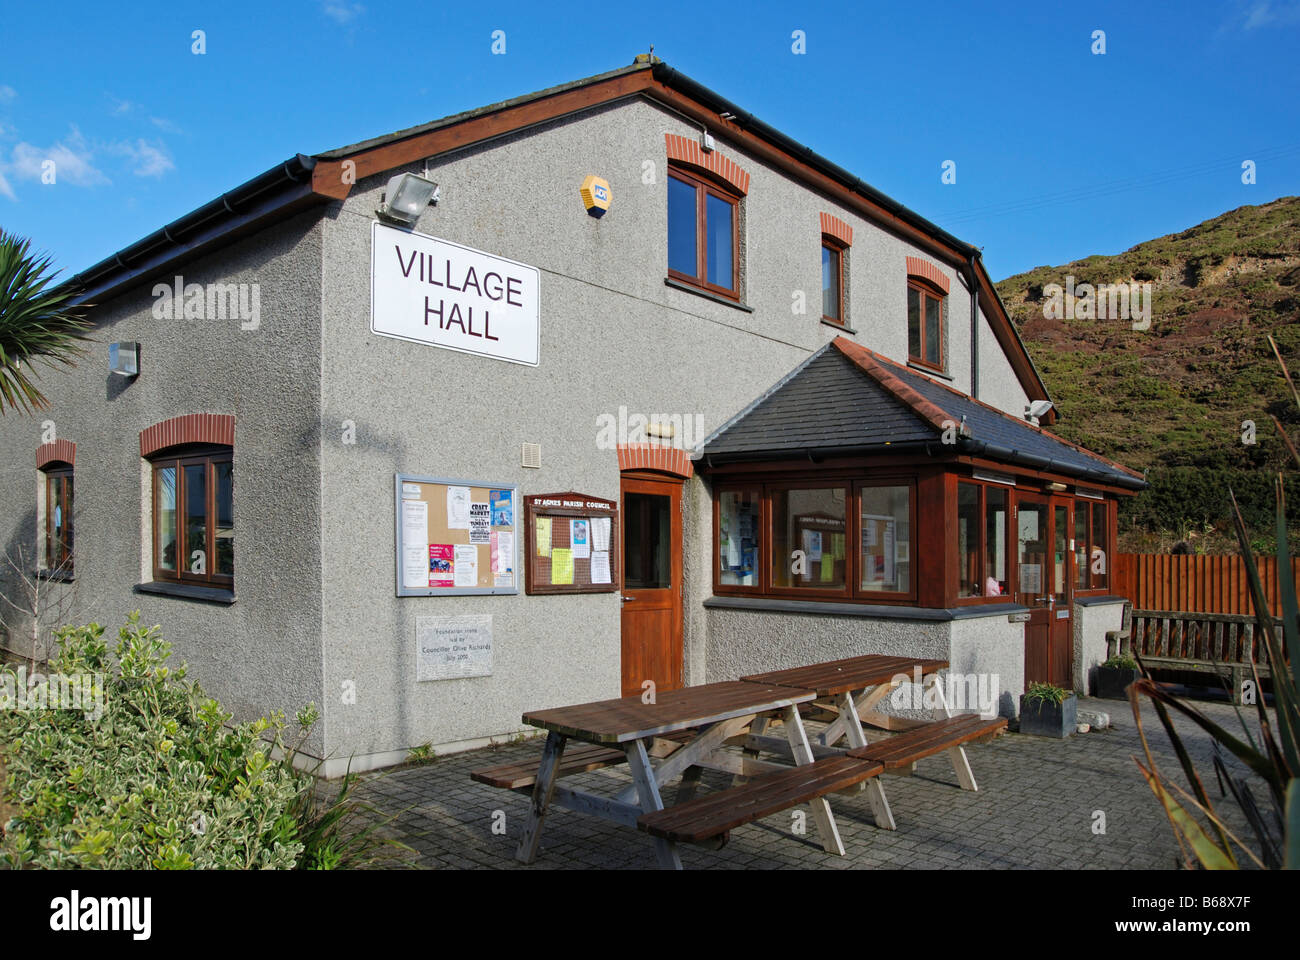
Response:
column 531, row 455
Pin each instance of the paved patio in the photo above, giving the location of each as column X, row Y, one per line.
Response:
column 1036, row 808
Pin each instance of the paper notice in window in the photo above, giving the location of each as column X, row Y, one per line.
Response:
column 543, row 536
column 465, row 572
column 600, row 533
column 600, row 566
column 480, row 522
column 561, row 565
column 458, row 508
column 828, row 568
column 580, row 537
column 415, row 544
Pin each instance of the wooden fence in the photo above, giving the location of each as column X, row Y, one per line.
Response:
column 1196, row 584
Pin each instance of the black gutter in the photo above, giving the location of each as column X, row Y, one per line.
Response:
column 273, row 192
column 998, row 452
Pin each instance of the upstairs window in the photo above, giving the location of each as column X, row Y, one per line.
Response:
column 832, row 282
column 58, row 519
column 925, row 324
column 703, row 234
column 193, row 517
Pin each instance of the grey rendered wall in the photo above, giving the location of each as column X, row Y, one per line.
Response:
column 1091, row 624
column 263, row 652
column 613, row 334
column 992, row 647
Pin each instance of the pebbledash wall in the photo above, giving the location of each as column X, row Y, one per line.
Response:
column 316, row 618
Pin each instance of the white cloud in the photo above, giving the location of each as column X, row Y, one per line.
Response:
column 341, row 11
column 7, row 93
column 1265, row 12
column 162, row 123
column 73, row 162
column 5, row 189
column 149, row 159
column 121, row 107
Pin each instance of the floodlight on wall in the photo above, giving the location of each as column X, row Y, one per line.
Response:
column 405, row 198
column 124, row 358
column 1037, row 410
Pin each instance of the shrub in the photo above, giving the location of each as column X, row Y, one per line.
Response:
column 158, row 780
column 1121, row 661
column 1046, row 693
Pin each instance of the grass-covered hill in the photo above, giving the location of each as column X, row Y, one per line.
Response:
column 1171, row 399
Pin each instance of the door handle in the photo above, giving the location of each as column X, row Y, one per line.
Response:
column 626, row 597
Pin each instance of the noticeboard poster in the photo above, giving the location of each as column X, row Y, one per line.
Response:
column 455, row 537
column 572, row 544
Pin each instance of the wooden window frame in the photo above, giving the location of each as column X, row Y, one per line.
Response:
column 853, row 485
column 179, row 459
column 926, row 289
column 1104, row 506
column 705, row 188
column 981, row 550
column 837, row 250
column 64, row 564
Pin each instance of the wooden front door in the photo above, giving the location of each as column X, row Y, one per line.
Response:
column 652, row 583
column 1043, row 584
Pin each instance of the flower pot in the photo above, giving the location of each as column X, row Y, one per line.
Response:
column 1042, row 718
column 1111, row 683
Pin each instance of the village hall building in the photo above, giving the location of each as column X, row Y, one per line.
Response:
column 605, row 386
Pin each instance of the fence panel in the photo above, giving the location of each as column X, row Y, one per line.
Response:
column 1196, row 584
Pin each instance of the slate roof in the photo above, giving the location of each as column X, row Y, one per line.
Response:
column 847, row 399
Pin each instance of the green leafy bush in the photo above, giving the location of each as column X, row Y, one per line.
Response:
column 1046, row 693
column 158, row 780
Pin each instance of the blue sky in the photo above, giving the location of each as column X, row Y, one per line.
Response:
column 1059, row 152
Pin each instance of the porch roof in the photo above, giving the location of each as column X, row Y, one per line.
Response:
column 846, row 399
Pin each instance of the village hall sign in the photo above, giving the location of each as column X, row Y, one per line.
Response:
column 432, row 291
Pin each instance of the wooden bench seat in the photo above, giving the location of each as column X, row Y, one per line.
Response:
column 578, row 758
column 704, row 818
column 904, row 749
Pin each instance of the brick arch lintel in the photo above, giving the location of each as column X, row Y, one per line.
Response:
column 218, row 428
column 655, row 456
column 688, row 151
column 925, row 270
column 57, row 451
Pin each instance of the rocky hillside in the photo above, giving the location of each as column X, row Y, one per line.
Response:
column 1172, row 398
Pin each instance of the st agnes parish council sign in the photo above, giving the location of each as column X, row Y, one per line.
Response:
column 437, row 292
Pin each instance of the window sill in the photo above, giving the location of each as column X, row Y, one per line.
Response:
column 707, row 295
column 56, row 576
column 188, row 591
column 1088, row 601
column 842, row 327
column 878, row 611
column 924, row 368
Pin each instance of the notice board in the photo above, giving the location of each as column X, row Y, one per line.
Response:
column 455, row 537
column 572, row 544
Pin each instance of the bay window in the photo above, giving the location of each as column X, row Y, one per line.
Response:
column 816, row 539
column 981, row 540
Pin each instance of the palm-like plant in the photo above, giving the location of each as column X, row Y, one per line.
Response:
column 37, row 323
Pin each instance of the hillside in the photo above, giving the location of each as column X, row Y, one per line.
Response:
column 1171, row 399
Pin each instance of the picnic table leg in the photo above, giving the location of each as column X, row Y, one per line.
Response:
column 957, row 755
column 543, row 790
column 757, row 728
column 874, row 788
column 821, row 809
column 870, row 697
column 643, row 776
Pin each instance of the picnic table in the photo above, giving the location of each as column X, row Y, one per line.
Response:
column 687, row 730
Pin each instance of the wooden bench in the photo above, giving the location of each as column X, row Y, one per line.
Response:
column 578, row 758
column 1218, row 643
column 706, row 818
column 904, row 749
